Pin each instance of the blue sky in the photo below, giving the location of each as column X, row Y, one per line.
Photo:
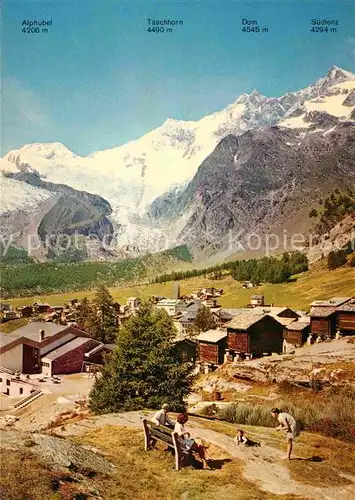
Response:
column 98, row 79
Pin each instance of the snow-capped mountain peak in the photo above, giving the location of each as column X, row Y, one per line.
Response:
column 50, row 150
column 131, row 176
column 336, row 73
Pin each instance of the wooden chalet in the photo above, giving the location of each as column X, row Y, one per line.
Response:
column 323, row 321
column 208, row 292
column 26, row 311
column 324, row 316
column 187, row 349
column 296, row 333
column 253, row 333
column 346, row 318
column 279, row 313
column 223, row 316
column 41, row 308
column 212, row 346
column 257, row 300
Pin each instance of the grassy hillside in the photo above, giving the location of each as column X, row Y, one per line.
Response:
column 10, row 326
column 323, row 463
column 309, row 286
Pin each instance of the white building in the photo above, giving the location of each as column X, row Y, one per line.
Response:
column 171, row 306
column 133, row 303
column 14, row 386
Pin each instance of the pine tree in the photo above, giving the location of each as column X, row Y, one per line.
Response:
column 103, row 320
column 83, row 316
column 204, row 320
column 331, row 260
column 145, row 369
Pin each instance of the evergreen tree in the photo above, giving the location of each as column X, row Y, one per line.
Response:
column 145, row 369
column 336, row 259
column 331, row 260
column 83, row 316
column 103, row 320
column 204, row 320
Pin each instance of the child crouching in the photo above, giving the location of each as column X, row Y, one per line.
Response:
column 241, row 438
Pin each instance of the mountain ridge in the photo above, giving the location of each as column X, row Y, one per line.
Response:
column 132, row 177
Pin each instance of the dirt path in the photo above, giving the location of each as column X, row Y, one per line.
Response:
column 264, row 466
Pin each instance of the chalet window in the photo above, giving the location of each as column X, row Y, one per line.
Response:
column 8, row 382
column 21, row 390
column 0, row 379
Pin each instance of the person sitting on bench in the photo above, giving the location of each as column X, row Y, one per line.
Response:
column 161, row 417
column 188, row 444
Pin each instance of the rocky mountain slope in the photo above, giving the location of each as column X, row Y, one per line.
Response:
column 50, row 211
column 164, row 164
column 337, row 238
column 259, row 182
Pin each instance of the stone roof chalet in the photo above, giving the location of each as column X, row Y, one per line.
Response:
column 297, row 326
column 212, row 336
column 324, row 308
column 347, row 307
column 322, row 311
column 244, row 320
column 333, row 302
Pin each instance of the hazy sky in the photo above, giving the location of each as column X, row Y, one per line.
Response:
column 99, row 79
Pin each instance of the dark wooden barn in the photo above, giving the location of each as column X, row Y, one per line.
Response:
column 187, row 349
column 296, row 333
column 26, row 311
column 323, row 321
column 41, row 308
column 212, row 346
column 346, row 318
column 254, row 334
column 324, row 316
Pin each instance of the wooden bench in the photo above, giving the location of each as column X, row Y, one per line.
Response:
column 152, row 432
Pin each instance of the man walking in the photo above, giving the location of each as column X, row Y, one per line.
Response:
column 287, row 423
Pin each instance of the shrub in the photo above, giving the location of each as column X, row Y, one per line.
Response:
column 210, row 410
column 244, row 413
column 330, row 413
column 336, row 259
